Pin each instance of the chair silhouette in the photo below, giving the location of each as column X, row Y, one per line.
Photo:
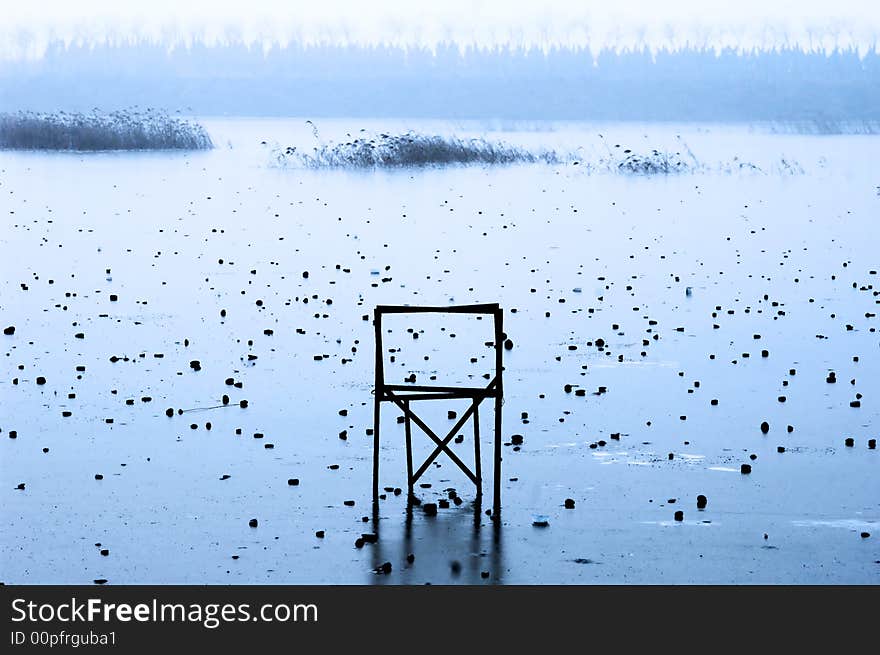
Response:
column 403, row 395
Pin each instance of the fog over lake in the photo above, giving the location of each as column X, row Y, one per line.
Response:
column 676, row 209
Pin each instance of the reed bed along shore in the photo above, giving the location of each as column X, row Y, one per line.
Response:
column 128, row 129
column 418, row 150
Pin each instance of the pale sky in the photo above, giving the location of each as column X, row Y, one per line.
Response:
column 28, row 27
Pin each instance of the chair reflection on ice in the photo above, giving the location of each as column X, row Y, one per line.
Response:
column 404, row 396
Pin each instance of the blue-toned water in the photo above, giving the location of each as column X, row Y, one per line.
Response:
column 769, row 245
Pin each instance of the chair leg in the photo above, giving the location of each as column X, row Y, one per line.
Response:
column 377, row 408
column 478, row 467
column 496, row 501
column 409, row 461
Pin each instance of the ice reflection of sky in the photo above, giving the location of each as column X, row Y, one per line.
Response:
column 161, row 223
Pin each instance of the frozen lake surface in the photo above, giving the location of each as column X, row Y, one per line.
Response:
column 723, row 299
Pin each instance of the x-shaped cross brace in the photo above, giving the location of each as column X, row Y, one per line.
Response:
column 442, row 444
